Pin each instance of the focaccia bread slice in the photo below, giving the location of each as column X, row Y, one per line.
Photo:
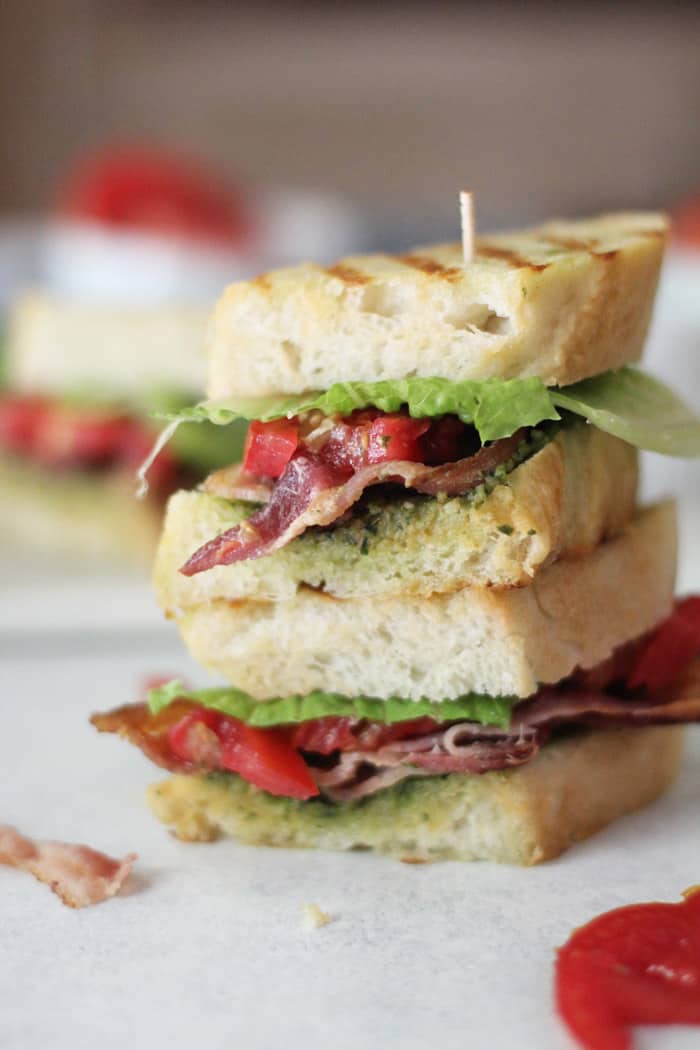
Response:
column 482, row 640
column 573, row 788
column 577, row 490
column 80, row 516
column 562, row 301
column 60, row 346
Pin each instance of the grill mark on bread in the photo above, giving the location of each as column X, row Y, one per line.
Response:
column 573, row 244
column 347, row 274
column 262, row 281
column 429, row 266
column 508, row 255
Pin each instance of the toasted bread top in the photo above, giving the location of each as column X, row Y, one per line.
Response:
column 562, row 301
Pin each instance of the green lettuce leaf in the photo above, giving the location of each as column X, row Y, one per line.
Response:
column 637, row 408
column 489, row 710
column 626, row 403
column 496, row 407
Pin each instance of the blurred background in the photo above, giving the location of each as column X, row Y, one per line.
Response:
column 539, row 107
column 328, row 127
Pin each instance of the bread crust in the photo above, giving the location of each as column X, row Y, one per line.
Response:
column 563, row 301
column 80, row 516
column 575, row 787
column 576, row 491
column 501, row 643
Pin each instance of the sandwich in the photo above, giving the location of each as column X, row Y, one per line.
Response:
column 114, row 331
column 75, row 422
column 446, row 628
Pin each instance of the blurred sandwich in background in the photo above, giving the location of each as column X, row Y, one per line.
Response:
column 114, row 332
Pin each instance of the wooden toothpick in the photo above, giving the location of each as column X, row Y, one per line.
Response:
column 466, row 210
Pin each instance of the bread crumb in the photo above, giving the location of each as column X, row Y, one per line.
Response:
column 315, row 917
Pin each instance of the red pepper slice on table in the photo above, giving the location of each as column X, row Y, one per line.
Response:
column 631, row 966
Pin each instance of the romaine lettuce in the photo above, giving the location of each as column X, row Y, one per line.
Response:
column 488, row 710
column 637, row 408
column 496, row 407
column 627, row 403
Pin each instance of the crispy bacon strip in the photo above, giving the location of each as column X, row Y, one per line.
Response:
column 135, row 723
column 235, row 483
column 79, row 875
column 312, row 492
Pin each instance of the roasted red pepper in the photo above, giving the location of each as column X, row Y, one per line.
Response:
column 632, row 966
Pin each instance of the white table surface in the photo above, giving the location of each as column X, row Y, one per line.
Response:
column 207, row 948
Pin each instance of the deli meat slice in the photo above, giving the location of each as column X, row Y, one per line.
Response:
column 552, row 708
column 79, row 875
column 314, row 492
column 359, row 773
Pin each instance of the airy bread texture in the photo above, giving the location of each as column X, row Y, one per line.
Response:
column 503, row 643
column 577, row 490
column 60, row 346
column 562, row 301
column 79, row 516
column 572, row 789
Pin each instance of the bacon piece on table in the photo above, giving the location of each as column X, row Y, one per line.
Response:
column 79, row 875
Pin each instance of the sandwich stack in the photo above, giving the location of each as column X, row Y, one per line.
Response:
column 449, row 628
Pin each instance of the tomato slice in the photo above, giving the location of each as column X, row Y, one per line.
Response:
column 370, row 437
column 324, row 735
column 441, row 443
column 146, row 189
column 634, row 965
column 341, row 733
column 266, row 759
column 63, row 437
column 195, row 738
column 20, row 418
column 263, row 757
column 58, row 435
column 396, row 437
column 270, row 446
column 670, row 649
column 345, row 448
